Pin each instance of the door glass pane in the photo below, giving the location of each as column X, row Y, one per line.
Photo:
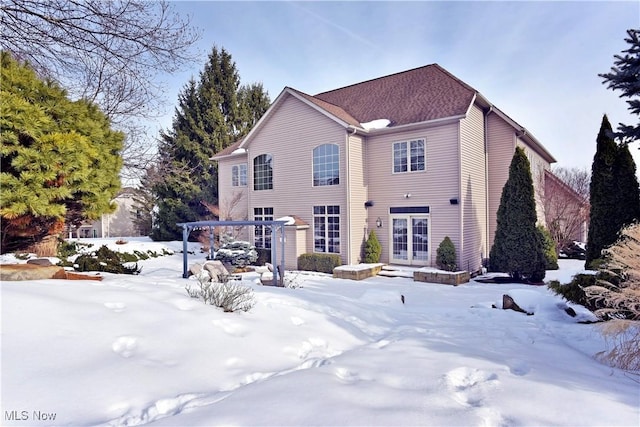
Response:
column 400, row 238
column 420, row 238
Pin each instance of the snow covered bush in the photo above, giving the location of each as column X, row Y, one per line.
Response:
column 237, row 253
column 446, row 255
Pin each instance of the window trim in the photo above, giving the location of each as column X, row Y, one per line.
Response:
column 313, row 164
column 236, row 180
column 407, row 143
column 264, row 235
column 268, row 158
column 325, row 216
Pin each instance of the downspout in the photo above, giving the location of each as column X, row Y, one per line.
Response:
column 486, row 183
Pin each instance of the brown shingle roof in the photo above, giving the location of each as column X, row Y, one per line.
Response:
column 335, row 110
column 418, row 95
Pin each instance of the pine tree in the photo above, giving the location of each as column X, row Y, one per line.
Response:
column 625, row 77
column 603, row 194
column 212, row 113
column 59, row 160
column 517, row 247
column 627, row 192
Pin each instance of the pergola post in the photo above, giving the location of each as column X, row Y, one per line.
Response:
column 212, row 252
column 282, row 237
column 185, row 237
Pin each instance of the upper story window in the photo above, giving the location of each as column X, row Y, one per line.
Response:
column 239, row 175
column 409, row 156
column 326, row 165
column 263, row 172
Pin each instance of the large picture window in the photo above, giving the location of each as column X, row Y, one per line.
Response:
column 409, row 156
column 239, row 175
column 262, row 233
column 326, row 229
column 263, row 172
column 326, row 165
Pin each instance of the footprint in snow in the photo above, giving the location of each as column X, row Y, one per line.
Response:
column 470, row 386
column 297, row 321
column 116, row 307
column 125, row 346
column 231, row 327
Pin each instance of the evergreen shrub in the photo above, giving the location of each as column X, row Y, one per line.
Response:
column 446, row 255
column 549, row 247
column 323, row 263
column 372, row 249
column 104, row 259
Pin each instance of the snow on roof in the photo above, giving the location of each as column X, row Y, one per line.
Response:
column 376, row 124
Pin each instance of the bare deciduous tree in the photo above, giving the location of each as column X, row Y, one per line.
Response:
column 565, row 202
column 108, row 52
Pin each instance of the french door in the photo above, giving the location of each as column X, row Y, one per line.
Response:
column 409, row 239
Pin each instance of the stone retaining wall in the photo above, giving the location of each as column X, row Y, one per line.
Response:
column 454, row 278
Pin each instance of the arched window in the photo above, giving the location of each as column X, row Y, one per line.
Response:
column 263, row 172
column 326, row 165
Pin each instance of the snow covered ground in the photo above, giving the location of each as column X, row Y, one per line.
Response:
column 134, row 350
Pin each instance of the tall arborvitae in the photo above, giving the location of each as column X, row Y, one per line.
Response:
column 517, row 248
column 627, row 192
column 603, row 190
column 59, row 160
column 212, row 113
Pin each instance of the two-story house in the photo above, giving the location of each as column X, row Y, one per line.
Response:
column 415, row 156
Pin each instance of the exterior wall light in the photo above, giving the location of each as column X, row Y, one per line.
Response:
column 379, row 222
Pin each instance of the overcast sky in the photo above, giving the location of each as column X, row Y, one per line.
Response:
column 536, row 61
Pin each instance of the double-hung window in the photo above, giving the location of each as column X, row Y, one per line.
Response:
column 409, row 156
column 326, row 165
column 263, row 172
column 326, row 229
column 262, row 233
column 239, row 175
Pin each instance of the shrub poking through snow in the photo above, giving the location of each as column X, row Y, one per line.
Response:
column 104, row 259
column 237, row 253
column 372, row 249
column 446, row 255
column 229, row 295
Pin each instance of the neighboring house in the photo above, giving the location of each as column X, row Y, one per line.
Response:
column 116, row 224
column 566, row 211
column 415, row 156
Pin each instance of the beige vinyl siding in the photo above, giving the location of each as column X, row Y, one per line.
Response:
column 538, row 166
column 501, row 144
column 432, row 187
column 290, row 135
column 356, row 197
column 472, row 192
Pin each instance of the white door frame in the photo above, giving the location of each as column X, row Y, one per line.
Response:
column 410, row 251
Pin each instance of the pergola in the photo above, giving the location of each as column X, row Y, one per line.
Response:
column 275, row 226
